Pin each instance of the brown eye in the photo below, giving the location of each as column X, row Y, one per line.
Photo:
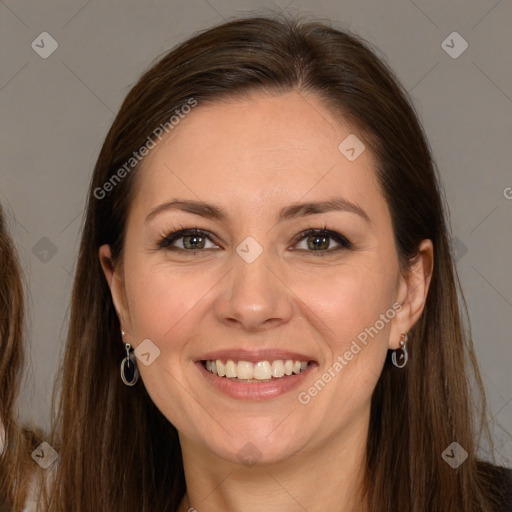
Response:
column 316, row 242
column 319, row 241
column 193, row 241
column 186, row 240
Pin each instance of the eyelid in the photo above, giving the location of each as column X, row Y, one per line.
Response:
column 342, row 241
column 166, row 240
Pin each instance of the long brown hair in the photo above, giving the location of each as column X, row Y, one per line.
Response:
column 14, row 463
column 117, row 451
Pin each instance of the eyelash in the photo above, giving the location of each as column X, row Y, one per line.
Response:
column 166, row 240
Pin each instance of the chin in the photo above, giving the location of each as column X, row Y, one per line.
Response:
column 258, row 447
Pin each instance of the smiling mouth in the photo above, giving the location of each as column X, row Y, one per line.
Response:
column 260, row 371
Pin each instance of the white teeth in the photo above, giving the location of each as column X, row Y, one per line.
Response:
column 261, row 370
column 230, row 369
column 278, row 368
column 220, row 368
column 245, row 370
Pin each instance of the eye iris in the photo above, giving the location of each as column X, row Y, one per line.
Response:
column 319, row 242
column 194, row 239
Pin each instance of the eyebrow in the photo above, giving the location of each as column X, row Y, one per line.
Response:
column 292, row 211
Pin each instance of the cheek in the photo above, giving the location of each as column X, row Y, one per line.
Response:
column 350, row 300
column 353, row 310
column 164, row 307
column 347, row 309
column 161, row 300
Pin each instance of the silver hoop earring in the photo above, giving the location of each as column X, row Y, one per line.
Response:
column 399, row 357
column 129, row 370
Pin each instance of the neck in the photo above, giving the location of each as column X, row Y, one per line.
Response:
column 323, row 478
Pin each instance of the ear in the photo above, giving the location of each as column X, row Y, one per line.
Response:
column 412, row 293
column 115, row 280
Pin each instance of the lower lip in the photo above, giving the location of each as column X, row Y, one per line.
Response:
column 255, row 390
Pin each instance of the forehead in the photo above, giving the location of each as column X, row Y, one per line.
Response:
column 257, row 152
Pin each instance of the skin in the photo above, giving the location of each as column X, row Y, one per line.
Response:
column 252, row 158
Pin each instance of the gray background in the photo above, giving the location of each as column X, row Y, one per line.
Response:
column 56, row 111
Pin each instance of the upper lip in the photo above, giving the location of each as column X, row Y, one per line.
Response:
column 254, row 356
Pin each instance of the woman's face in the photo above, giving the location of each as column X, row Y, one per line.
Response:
column 252, row 288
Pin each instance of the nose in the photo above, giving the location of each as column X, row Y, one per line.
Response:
column 254, row 296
